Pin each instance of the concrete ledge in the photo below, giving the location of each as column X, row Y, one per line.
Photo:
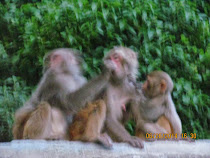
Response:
column 63, row 149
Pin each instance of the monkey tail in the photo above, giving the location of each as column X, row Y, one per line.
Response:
column 21, row 117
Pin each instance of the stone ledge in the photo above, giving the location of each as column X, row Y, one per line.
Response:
column 63, row 149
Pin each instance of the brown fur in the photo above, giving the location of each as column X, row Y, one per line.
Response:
column 88, row 123
column 61, row 93
column 162, row 122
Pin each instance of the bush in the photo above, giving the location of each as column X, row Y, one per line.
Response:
column 169, row 35
column 13, row 94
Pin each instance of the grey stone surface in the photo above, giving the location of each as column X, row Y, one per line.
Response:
column 65, row 149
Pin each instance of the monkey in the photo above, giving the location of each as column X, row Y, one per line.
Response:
column 60, row 94
column 88, row 123
column 123, row 64
column 154, row 110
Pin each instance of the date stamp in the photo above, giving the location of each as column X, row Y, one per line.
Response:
column 170, row 136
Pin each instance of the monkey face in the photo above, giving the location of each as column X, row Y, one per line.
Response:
column 114, row 62
column 117, row 59
column 71, row 64
column 63, row 60
column 121, row 61
column 151, row 87
column 59, row 57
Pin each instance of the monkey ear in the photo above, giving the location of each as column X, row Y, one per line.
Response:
column 163, row 86
column 149, row 80
column 55, row 60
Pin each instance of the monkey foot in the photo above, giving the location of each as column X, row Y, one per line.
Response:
column 136, row 142
column 105, row 140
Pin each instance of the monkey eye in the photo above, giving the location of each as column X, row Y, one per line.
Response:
column 108, row 58
column 116, row 57
column 54, row 57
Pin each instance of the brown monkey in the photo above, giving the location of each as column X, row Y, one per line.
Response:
column 120, row 89
column 154, row 111
column 61, row 93
column 88, row 123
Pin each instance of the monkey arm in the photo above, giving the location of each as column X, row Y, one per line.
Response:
column 142, row 124
column 137, row 115
column 153, row 128
column 117, row 129
column 172, row 116
column 86, row 93
column 136, row 112
column 114, row 114
column 148, row 126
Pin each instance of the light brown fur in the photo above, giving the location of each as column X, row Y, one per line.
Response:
column 162, row 122
column 154, row 110
column 88, row 123
column 61, row 93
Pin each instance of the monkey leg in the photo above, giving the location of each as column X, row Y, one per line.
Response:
column 58, row 122
column 88, row 123
column 162, row 122
column 38, row 124
column 140, row 134
column 21, row 116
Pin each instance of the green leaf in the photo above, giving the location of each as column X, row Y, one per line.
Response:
column 122, row 25
column 98, row 27
column 94, row 6
column 150, row 34
column 3, row 53
column 187, row 86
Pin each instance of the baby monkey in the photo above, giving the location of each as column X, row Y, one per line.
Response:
column 154, row 111
column 88, row 123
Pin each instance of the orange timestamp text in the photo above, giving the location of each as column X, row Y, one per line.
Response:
column 170, row 136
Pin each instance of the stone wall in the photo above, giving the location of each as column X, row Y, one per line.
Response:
column 64, row 149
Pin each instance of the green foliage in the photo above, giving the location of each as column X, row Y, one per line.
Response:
column 13, row 94
column 169, row 35
column 130, row 126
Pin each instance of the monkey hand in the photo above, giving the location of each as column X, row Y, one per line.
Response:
column 110, row 66
column 106, row 73
column 153, row 128
column 136, row 142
